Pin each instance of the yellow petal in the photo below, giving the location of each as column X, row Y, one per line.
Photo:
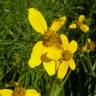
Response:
column 65, row 42
column 32, row 92
column 37, row 20
column 72, row 64
column 50, row 67
column 37, row 52
column 73, row 26
column 88, row 40
column 6, row 92
column 84, row 28
column 73, row 46
column 54, row 53
column 84, row 48
column 57, row 24
column 62, row 71
column 81, row 18
column 57, row 65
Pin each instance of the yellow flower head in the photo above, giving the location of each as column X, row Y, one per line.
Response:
column 19, row 92
column 89, row 46
column 80, row 24
column 38, row 22
column 49, row 49
column 67, row 58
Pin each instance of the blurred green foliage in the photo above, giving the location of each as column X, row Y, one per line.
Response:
column 17, row 39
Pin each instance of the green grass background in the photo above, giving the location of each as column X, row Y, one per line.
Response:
column 17, row 39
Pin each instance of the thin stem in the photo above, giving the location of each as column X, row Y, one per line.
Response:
column 66, row 78
column 57, row 88
column 90, row 65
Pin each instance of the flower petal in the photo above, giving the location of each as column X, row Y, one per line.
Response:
column 37, row 20
column 72, row 64
column 50, row 67
column 84, row 28
column 88, row 40
column 38, row 51
column 62, row 71
column 84, row 48
column 32, row 92
column 54, row 53
column 73, row 26
column 81, row 18
column 57, row 24
column 65, row 42
column 57, row 65
column 6, row 92
column 73, row 46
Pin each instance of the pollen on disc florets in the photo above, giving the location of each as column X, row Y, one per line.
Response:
column 45, row 58
column 67, row 55
column 52, row 39
column 19, row 91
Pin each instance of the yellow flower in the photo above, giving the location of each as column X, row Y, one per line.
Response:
column 67, row 59
column 89, row 46
column 49, row 49
column 80, row 24
column 21, row 92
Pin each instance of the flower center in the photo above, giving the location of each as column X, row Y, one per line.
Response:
column 45, row 58
column 67, row 55
column 91, row 45
column 52, row 39
column 79, row 23
column 19, row 91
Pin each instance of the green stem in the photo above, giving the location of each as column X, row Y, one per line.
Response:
column 57, row 88
column 66, row 78
column 90, row 65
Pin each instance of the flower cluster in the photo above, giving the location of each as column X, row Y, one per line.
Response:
column 54, row 51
